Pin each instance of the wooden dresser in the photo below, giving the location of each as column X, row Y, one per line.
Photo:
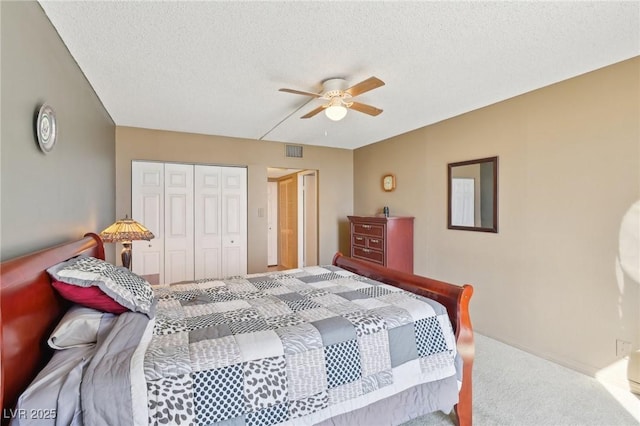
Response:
column 387, row 241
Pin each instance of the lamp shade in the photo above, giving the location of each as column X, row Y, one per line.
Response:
column 335, row 112
column 125, row 230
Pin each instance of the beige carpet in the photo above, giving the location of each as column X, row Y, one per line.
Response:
column 514, row 388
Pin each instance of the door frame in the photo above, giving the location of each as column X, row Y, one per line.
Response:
column 276, row 174
column 308, row 218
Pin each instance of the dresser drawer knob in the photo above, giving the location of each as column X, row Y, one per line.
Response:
column 375, row 241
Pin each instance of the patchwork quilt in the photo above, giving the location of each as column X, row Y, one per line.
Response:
column 293, row 347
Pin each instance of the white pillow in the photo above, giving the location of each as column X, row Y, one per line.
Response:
column 78, row 327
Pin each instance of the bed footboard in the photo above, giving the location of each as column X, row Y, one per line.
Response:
column 455, row 298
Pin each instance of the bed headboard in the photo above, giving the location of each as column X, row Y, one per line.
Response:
column 30, row 309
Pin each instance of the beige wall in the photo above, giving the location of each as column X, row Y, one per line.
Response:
column 549, row 281
column 335, row 179
column 52, row 198
column 569, row 170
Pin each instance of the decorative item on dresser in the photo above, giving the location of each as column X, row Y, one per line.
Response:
column 387, row 241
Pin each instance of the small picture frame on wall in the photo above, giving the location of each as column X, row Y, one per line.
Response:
column 389, row 182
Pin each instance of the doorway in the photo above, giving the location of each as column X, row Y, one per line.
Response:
column 292, row 218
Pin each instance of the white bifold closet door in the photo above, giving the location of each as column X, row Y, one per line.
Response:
column 178, row 223
column 220, row 221
column 147, row 207
column 202, row 215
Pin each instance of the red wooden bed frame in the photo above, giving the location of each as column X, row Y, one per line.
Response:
column 454, row 297
column 30, row 309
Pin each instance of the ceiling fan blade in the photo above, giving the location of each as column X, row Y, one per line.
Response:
column 314, row 112
column 364, row 86
column 300, row 92
column 367, row 109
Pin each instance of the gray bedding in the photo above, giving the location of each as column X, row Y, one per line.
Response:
column 295, row 347
column 111, row 384
column 310, row 346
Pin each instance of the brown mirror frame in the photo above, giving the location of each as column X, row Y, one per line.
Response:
column 486, row 189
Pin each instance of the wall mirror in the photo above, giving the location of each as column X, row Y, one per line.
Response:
column 473, row 195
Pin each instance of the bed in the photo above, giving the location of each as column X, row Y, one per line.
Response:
column 31, row 309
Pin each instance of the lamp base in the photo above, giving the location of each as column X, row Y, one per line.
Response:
column 125, row 254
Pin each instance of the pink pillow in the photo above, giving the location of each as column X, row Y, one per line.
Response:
column 91, row 297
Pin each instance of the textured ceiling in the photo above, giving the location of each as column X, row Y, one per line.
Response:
column 216, row 67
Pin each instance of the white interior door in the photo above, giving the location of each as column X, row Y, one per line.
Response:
column 207, row 222
column 178, row 224
column 234, row 221
column 272, row 223
column 310, row 226
column 147, row 207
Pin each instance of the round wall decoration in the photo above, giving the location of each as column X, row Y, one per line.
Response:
column 389, row 182
column 46, row 128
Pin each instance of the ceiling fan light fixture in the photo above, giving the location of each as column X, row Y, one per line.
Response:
column 335, row 112
column 340, row 99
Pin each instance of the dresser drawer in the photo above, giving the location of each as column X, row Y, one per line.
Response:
column 375, row 243
column 368, row 242
column 370, row 229
column 368, row 254
column 359, row 240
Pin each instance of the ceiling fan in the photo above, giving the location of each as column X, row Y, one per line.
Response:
column 339, row 98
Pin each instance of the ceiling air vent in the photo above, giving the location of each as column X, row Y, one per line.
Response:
column 294, row 151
